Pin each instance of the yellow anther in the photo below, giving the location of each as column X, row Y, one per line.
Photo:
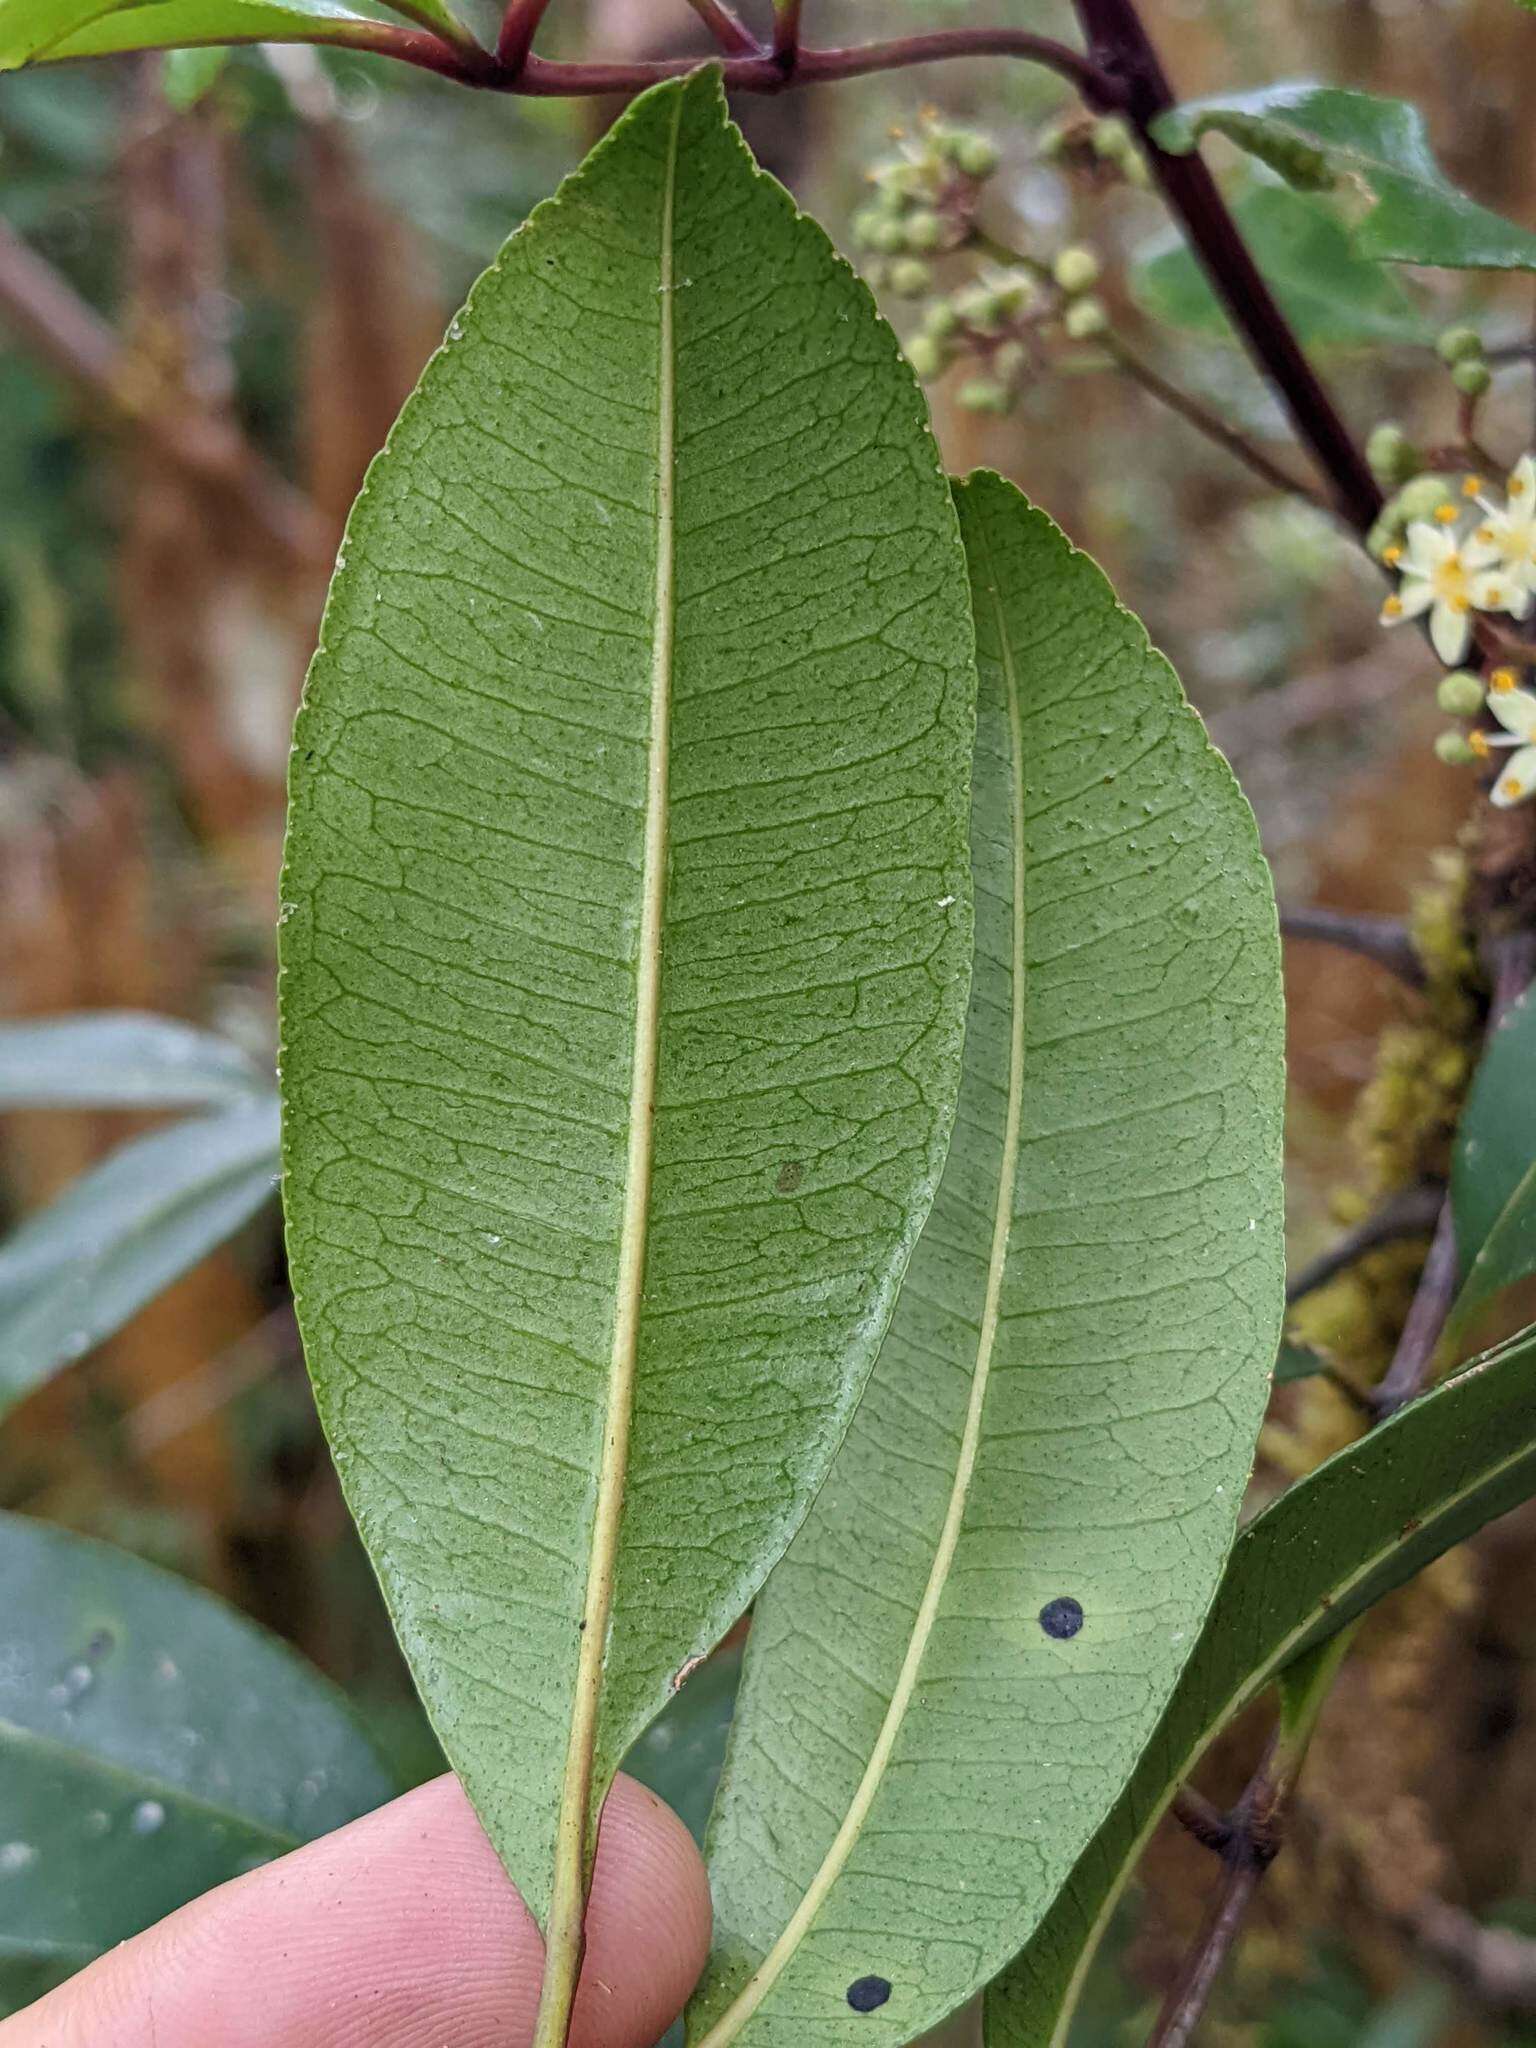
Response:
column 1517, row 487
column 1514, row 788
column 1392, row 555
column 1478, row 742
column 1447, row 513
column 1501, row 680
column 1470, row 486
column 1393, row 608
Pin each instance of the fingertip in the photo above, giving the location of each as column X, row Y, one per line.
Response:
column 648, row 1923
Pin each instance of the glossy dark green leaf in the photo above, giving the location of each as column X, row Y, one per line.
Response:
column 182, row 24
column 1329, row 1548
column 1320, row 138
column 152, row 1744
column 967, row 1645
column 1493, row 1167
column 121, row 1059
column 73, row 1273
column 1333, row 296
column 625, row 949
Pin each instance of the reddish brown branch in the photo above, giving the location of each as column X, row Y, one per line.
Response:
column 519, row 26
column 729, row 31
column 1386, row 940
column 786, row 34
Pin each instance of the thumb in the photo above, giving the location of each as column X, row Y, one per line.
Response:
column 400, row 1931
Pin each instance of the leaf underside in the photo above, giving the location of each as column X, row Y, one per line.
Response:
column 1329, row 1548
column 153, row 1743
column 635, row 762
column 966, row 1646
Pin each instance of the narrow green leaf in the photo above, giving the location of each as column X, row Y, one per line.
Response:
column 1326, row 1551
column 971, row 1638
column 152, row 1744
column 29, row 28
column 1493, row 1167
column 1320, row 138
column 120, row 1059
column 75, row 1272
column 189, row 24
column 625, row 950
column 1332, row 296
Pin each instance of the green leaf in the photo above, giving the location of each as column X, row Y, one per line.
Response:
column 76, row 1271
column 1493, row 1167
column 152, row 1744
column 1329, row 1548
column 29, row 28
column 970, row 1640
column 634, row 768
column 120, row 1059
column 189, row 75
column 1320, row 138
column 1331, row 295
column 185, row 24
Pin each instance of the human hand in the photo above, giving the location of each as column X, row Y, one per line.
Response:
column 400, row 1931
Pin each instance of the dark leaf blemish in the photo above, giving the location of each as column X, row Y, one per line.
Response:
column 791, row 1173
column 1062, row 1618
column 866, row 1994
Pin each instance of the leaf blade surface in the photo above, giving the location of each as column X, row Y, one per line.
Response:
column 153, row 1743
column 634, row 765
column 1332, row 1545
column 965, row 1645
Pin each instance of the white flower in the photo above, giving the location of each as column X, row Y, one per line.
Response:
column 1450, row 579
column 1510, row 528
column 1516, row 712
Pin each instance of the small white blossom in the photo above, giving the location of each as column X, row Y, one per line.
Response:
column 1510, row 528
column 1450, row 579
column 1516, row 712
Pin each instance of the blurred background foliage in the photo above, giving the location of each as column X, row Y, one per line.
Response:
column 219, row 277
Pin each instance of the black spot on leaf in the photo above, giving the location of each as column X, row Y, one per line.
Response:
column 1062, row 1618
column 866, row 1994
column 791, row 1173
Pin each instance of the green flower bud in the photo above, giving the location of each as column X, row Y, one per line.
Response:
column 1454, row 750
column 1014, row 292
column 1460, row 695
column 887, row 235
column 1392, row 456
column 1421, row 498
column 976, row 155
column 1471, row 377
column 865, row 226
column 1085, row 318
column 983, row 394
column 1459, row 345
column 925, row 230
column 1009, row 361
column 910, row 277
column 1133, row 168
column 925, row 355
column 1076, row 270
column 1111, row 138
column 941, row 320
column 978, row 307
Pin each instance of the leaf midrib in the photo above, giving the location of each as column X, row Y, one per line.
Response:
column 767, row 1973
column 568, row 1882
